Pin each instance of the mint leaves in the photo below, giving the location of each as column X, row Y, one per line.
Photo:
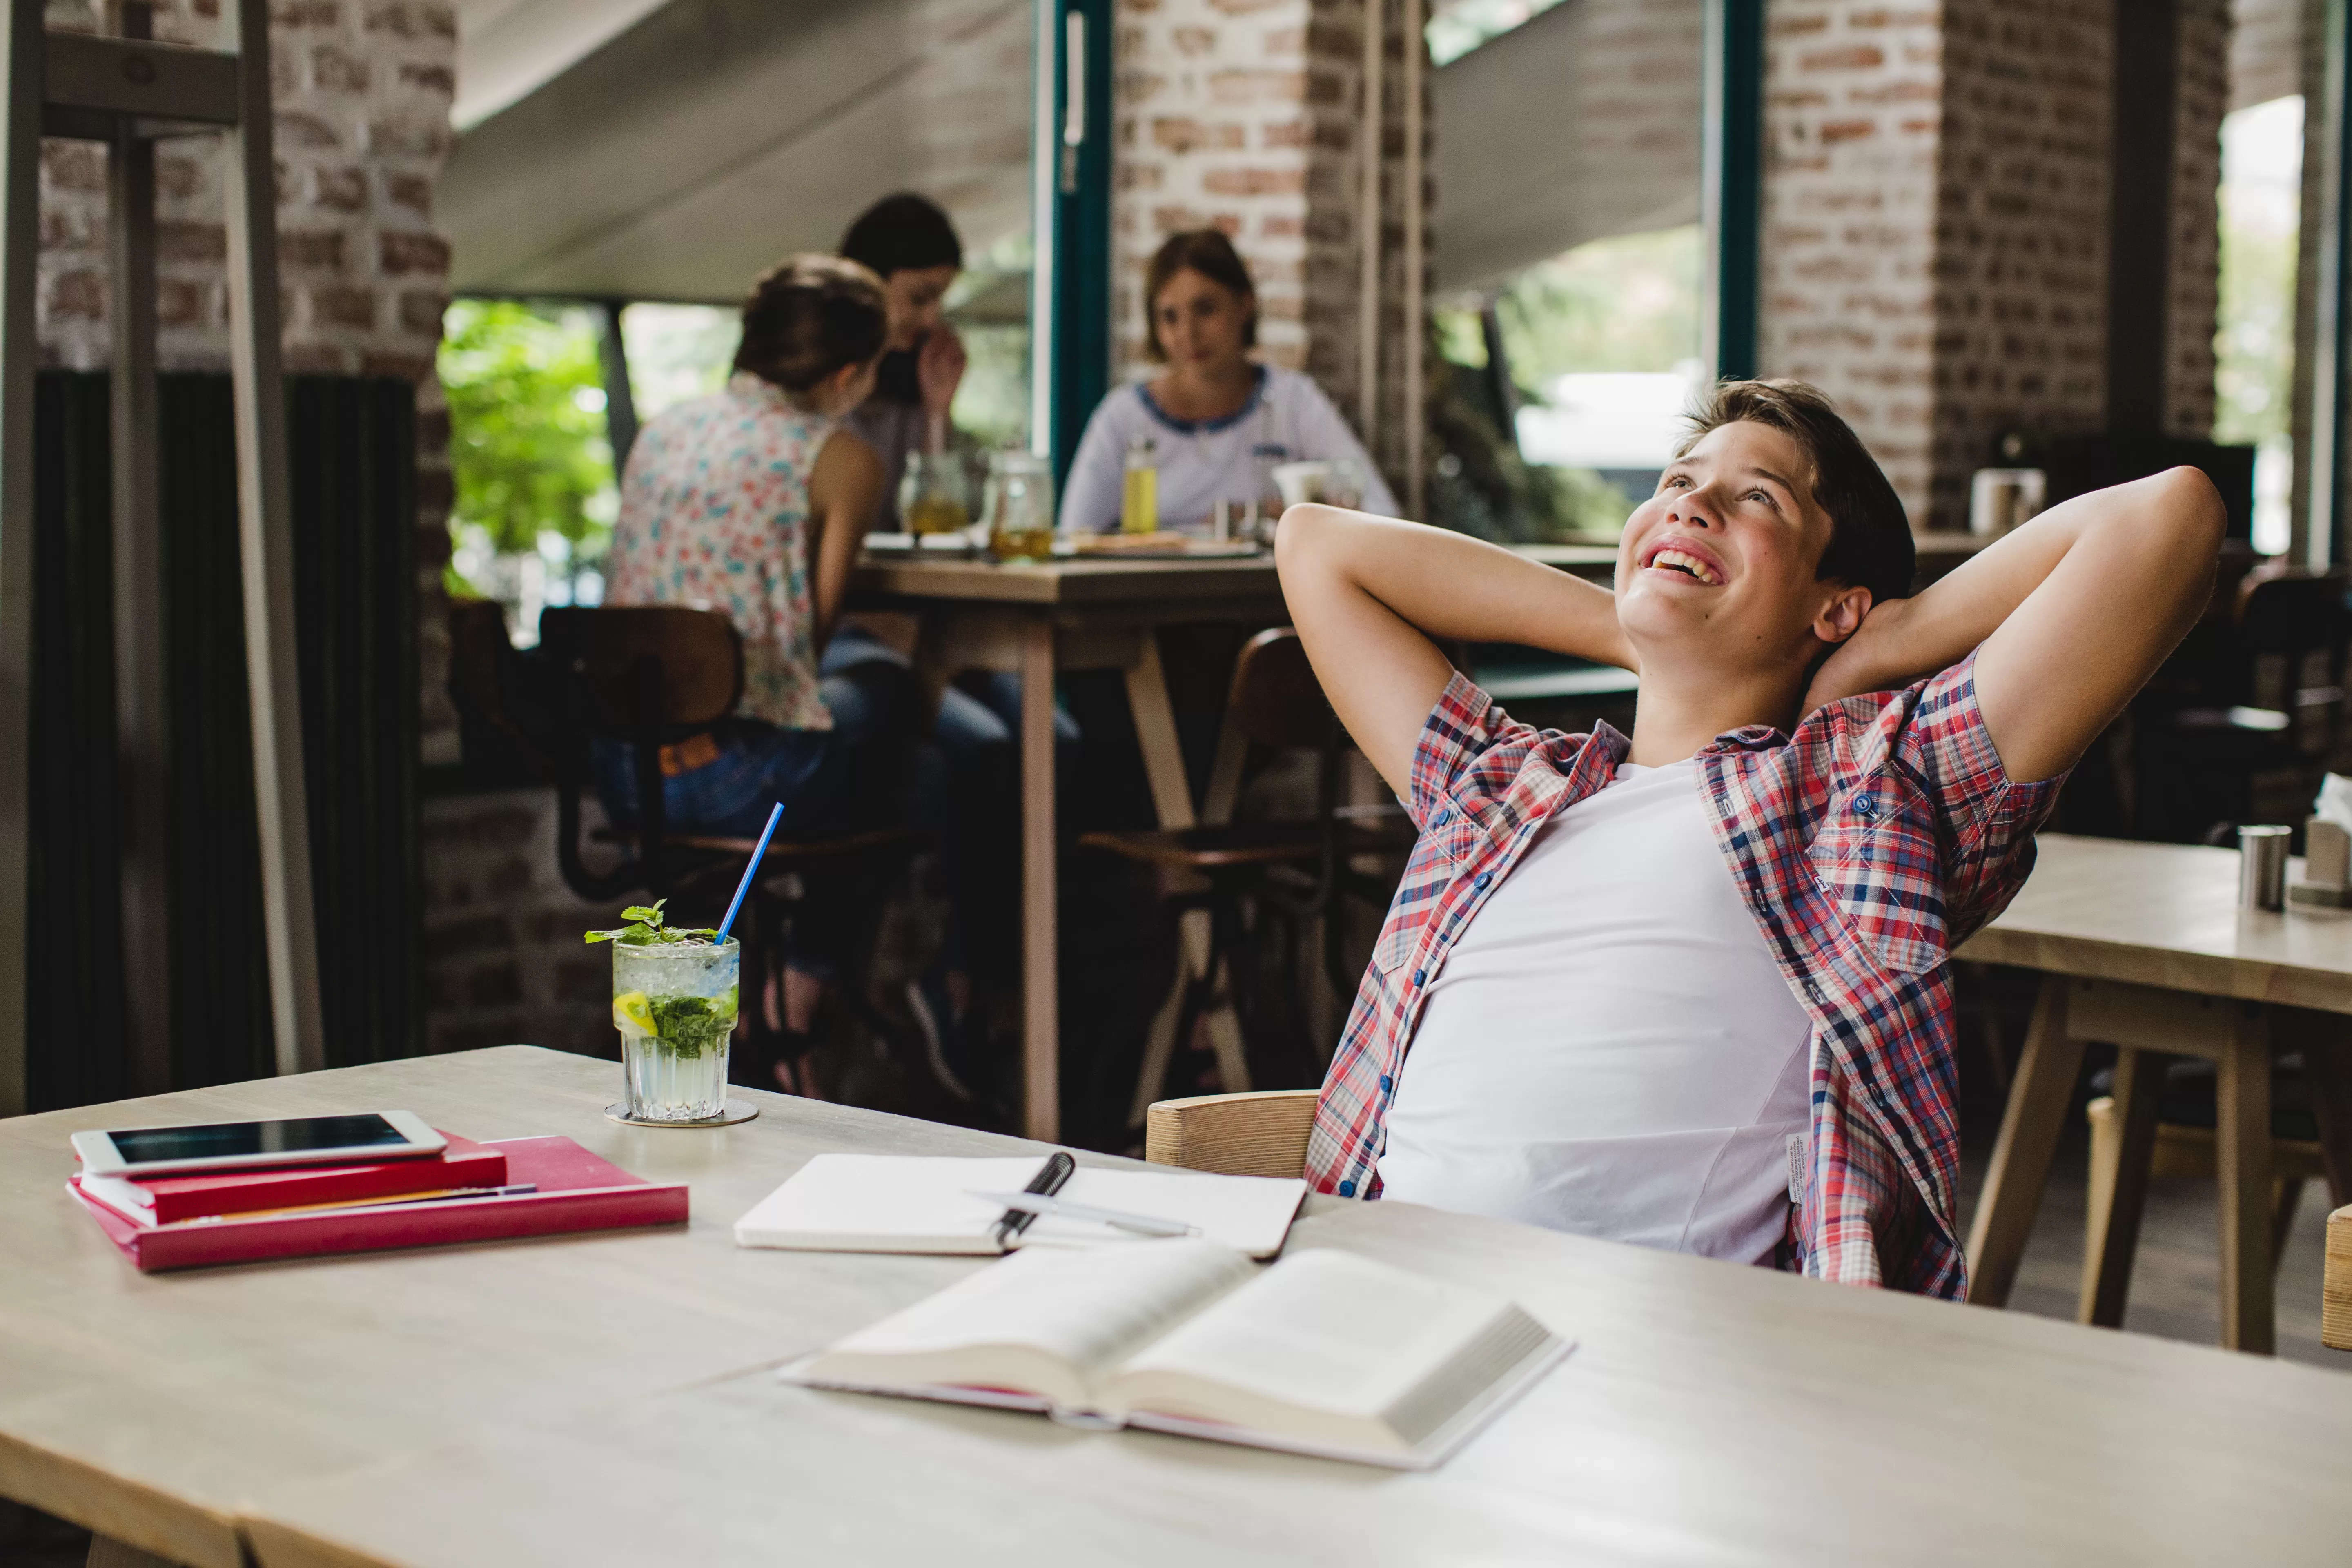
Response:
column 646, row 929
column 691, row 1025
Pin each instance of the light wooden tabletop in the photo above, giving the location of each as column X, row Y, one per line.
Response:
column 607, row 1399
column 2167, row 915
column 1091, row 582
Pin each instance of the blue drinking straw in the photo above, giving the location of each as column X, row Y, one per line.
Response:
column 751, row 870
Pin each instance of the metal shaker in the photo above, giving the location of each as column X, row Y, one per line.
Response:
column 2261, row 867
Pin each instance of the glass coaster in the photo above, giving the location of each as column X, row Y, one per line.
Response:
column 737, row 1110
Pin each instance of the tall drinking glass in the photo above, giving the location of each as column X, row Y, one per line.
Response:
column 676, row 1005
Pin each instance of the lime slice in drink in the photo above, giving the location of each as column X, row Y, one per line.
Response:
column 633, row 1015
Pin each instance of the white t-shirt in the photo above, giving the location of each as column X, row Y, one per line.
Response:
column 1202, row 462
column 1609, row 1048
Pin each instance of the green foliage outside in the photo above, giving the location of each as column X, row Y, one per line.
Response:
column 527, row 436
column 1628, row 303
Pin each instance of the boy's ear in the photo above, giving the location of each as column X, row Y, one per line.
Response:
column 1841, row 616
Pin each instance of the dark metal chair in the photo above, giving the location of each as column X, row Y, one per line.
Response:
column 659, row 676
column 2259, row 692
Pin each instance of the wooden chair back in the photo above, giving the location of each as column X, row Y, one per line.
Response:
column 1275, row 700
column 649, row 675
column 1258, row 1134
column 665, row 666
column 2300, row 618
column 2335, row 1284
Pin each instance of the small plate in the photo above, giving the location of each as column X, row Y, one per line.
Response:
column 737, row 1110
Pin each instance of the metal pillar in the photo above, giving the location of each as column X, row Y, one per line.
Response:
column 20, row 225
column 1731, row 185
column 266, row 545
column 143, row 737
column 127, row 92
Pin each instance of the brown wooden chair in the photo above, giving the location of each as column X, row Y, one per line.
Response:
column 2335, row 1285
column 653, row 676
column 1260, row 1134
column 1275, row 702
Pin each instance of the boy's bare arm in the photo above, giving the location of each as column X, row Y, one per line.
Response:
column 2074, row 612
column 1368, row 594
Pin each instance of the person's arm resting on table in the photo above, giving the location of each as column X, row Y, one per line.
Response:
column 1368, row 594
column 843, row 485
column 2073, row 611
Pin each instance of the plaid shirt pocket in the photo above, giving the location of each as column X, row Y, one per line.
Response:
column 1877, row 855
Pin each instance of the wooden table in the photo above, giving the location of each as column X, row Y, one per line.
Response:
column 1034, row 621
column 2142, row 946
column 608, row 1399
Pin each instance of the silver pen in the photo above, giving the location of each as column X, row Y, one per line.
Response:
column 1062, row 1208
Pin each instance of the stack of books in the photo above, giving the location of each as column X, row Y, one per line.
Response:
column 470, row 1191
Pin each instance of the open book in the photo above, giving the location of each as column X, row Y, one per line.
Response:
column 1326, row 1352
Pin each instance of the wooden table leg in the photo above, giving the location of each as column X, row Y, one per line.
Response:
column 2119, row 1175
column 2328, row 1069
column 2029, row 1127
column 1041, row 1108
column 2242, row 1160
column 1171, row 797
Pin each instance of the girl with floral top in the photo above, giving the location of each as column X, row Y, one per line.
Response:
column 752, row 502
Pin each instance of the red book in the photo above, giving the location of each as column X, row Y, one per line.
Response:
column 465, row 1163
column 577, row 1191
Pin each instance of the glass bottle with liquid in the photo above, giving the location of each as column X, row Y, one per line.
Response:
column 1019, row 506
column 1138, row 510
column 935, row 497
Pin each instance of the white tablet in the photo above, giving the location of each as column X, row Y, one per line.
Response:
column 229, row 1146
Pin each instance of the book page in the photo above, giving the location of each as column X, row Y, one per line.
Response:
column 1389, row 1355
column 1083, row 1309
column 1248, row 1213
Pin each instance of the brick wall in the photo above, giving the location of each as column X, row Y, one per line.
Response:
column 504, row 959
column 2021, row 231
column 2201, row 96
column 362, row 90
column 1935, row 223
column 1853, row 114
column 1243, row 115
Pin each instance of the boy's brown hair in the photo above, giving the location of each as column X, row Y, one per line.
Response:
column 809, row 316
column 1870, row 534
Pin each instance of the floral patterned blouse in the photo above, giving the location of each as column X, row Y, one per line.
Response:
column 715, row 512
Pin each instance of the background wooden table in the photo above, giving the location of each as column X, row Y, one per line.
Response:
column 2143, row 947
column 608, row 1399
column 1035, row 620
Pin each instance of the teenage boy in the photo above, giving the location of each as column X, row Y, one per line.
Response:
column 1692, row 989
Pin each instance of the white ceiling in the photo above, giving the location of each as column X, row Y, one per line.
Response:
column 650, row 150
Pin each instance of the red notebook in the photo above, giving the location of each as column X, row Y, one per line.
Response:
column 465, row 1163
column 577, row 1191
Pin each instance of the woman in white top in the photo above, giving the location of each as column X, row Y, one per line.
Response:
column 1218, row 420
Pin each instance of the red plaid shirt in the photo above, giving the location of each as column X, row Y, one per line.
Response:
column 1867, row 844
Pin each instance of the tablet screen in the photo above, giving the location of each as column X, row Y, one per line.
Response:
column 145, row 1145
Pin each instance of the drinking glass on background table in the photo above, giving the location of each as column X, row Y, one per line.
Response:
column 935, row 497
column 1018, row 505
column 676, row 1005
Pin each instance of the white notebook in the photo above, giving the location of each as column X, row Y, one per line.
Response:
column 1324, row 1353
column 908, row 1202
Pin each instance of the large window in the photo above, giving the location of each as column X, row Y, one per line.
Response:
column 1569, row 259
column 2261, row 200
column 536, row 501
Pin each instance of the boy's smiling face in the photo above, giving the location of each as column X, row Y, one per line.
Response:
column 1718, row 565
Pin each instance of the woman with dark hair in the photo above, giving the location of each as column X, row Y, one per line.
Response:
column 1218, row 420
column 907, row 242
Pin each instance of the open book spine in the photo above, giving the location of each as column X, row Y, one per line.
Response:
column 1473, row 1418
